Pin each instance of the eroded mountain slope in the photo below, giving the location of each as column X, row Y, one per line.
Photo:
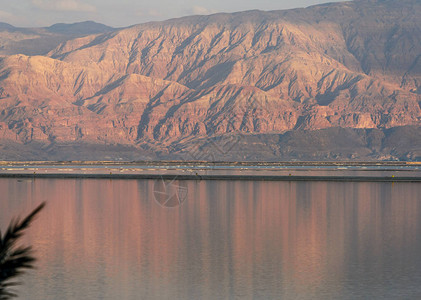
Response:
column 350, row 64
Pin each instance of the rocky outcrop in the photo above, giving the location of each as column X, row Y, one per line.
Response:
column 350, row 64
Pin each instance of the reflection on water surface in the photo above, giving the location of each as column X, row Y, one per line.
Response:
column 110, row 239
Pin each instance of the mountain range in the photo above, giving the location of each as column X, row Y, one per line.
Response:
column 337, row 81
column 39, row 41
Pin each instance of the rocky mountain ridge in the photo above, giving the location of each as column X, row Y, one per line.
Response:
column 161, row 86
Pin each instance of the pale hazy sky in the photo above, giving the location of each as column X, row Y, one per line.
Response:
column 120, row 13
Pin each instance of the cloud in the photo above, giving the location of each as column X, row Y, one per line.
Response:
column 64, row 5
column 149, row 13
column 154, row 13
column 199, row 10
column 8, row 17
column 5, row 15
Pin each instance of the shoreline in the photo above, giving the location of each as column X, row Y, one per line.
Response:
column 216, row 177
column 287, row 171
column 225, row 177
column 209, row 163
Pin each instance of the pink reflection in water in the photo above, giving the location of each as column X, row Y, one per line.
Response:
column 109, row 239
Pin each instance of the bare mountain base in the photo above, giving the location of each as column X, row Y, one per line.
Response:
column 11, row 151
column 399, row 143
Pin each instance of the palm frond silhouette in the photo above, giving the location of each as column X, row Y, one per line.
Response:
column 14, row 260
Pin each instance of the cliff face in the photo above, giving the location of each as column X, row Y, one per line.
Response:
column 351, row 64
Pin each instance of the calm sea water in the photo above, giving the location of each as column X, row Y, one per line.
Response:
column 118, row 239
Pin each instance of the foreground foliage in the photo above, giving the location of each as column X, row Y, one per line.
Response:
column 13, row 259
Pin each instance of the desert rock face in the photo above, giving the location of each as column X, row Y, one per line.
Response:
column 350, row 64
